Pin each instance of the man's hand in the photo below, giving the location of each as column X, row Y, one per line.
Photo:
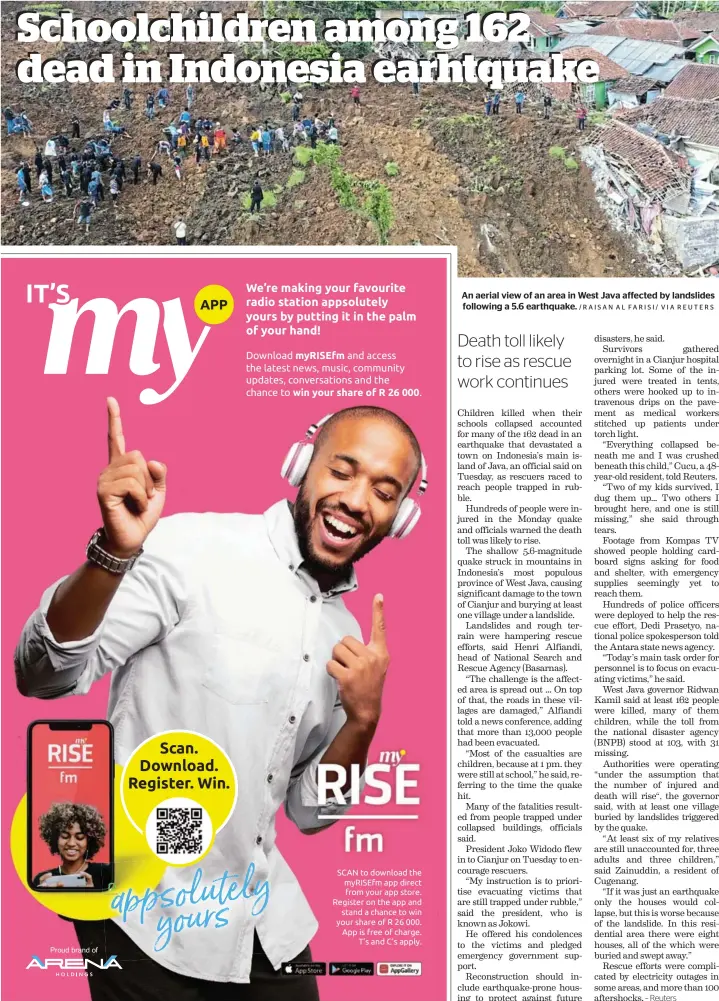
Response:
column 360, row 670
column 130, row 490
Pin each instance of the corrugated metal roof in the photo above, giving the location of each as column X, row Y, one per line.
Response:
column 653, row 59
column 638, row 56
column 575, row 27
column 602, row 43
column 667, row 72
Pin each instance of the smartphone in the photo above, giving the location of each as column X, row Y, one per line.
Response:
column 64, row 882
column 70, row 781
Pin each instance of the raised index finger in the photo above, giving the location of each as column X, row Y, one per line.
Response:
column 115, row 437
column 378, row 635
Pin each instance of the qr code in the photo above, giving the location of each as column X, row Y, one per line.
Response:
column 179, row 830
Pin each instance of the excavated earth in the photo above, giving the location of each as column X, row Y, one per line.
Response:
column 485, row 185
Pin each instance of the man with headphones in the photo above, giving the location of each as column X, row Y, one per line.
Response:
column 234, row 626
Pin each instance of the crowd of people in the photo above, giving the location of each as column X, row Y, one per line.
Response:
column 92, row 173
column 87, row 174
column 493, row 104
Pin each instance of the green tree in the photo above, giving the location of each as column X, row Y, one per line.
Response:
column 668, row 8
column 378, row 208
column 344, row 186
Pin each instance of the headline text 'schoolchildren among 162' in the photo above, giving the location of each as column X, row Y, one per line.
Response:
column 551, row 140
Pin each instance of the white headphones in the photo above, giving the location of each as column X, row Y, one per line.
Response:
column 297, row 462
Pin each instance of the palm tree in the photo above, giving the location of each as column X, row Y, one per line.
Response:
column 668, row 8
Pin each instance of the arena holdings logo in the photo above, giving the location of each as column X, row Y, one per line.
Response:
column 70, row 963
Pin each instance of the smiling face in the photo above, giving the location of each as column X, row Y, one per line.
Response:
column 360, row 472
column 72, row 844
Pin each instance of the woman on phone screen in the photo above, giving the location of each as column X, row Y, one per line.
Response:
column 75, row 832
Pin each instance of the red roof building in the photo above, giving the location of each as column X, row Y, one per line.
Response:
column 645, row 30
column 608, row 69
column 698, row 22
column 696, row 82
column 541, row 25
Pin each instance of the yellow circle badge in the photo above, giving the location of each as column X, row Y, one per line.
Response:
column 179, row 789
column 214, row 304
column 135, row 865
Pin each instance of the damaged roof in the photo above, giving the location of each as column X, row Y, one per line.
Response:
column 495, row 50
column 596, row 9
column 657, row 60
column 636, row 85
column 608, row 69
column 644, row 30
column 696, row 121
column 657, row 169
column 696, row 82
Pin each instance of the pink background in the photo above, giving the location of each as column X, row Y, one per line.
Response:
column 224, row 452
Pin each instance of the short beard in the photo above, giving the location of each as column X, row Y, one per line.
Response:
column 312, row 561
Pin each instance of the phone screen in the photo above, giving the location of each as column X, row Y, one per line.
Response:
column 70, row 796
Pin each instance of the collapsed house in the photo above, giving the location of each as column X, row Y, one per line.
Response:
column 691, row 129
column 632, row 92
column 486, row 49
column 648, row 184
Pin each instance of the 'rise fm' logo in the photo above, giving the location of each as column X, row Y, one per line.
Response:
column 77, row 753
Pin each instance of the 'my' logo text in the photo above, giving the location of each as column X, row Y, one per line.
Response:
column 142, row 357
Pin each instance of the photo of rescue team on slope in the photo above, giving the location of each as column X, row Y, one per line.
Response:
column 611, row 179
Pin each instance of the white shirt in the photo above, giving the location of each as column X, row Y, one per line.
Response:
column 218, row 629
column 180, row 230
